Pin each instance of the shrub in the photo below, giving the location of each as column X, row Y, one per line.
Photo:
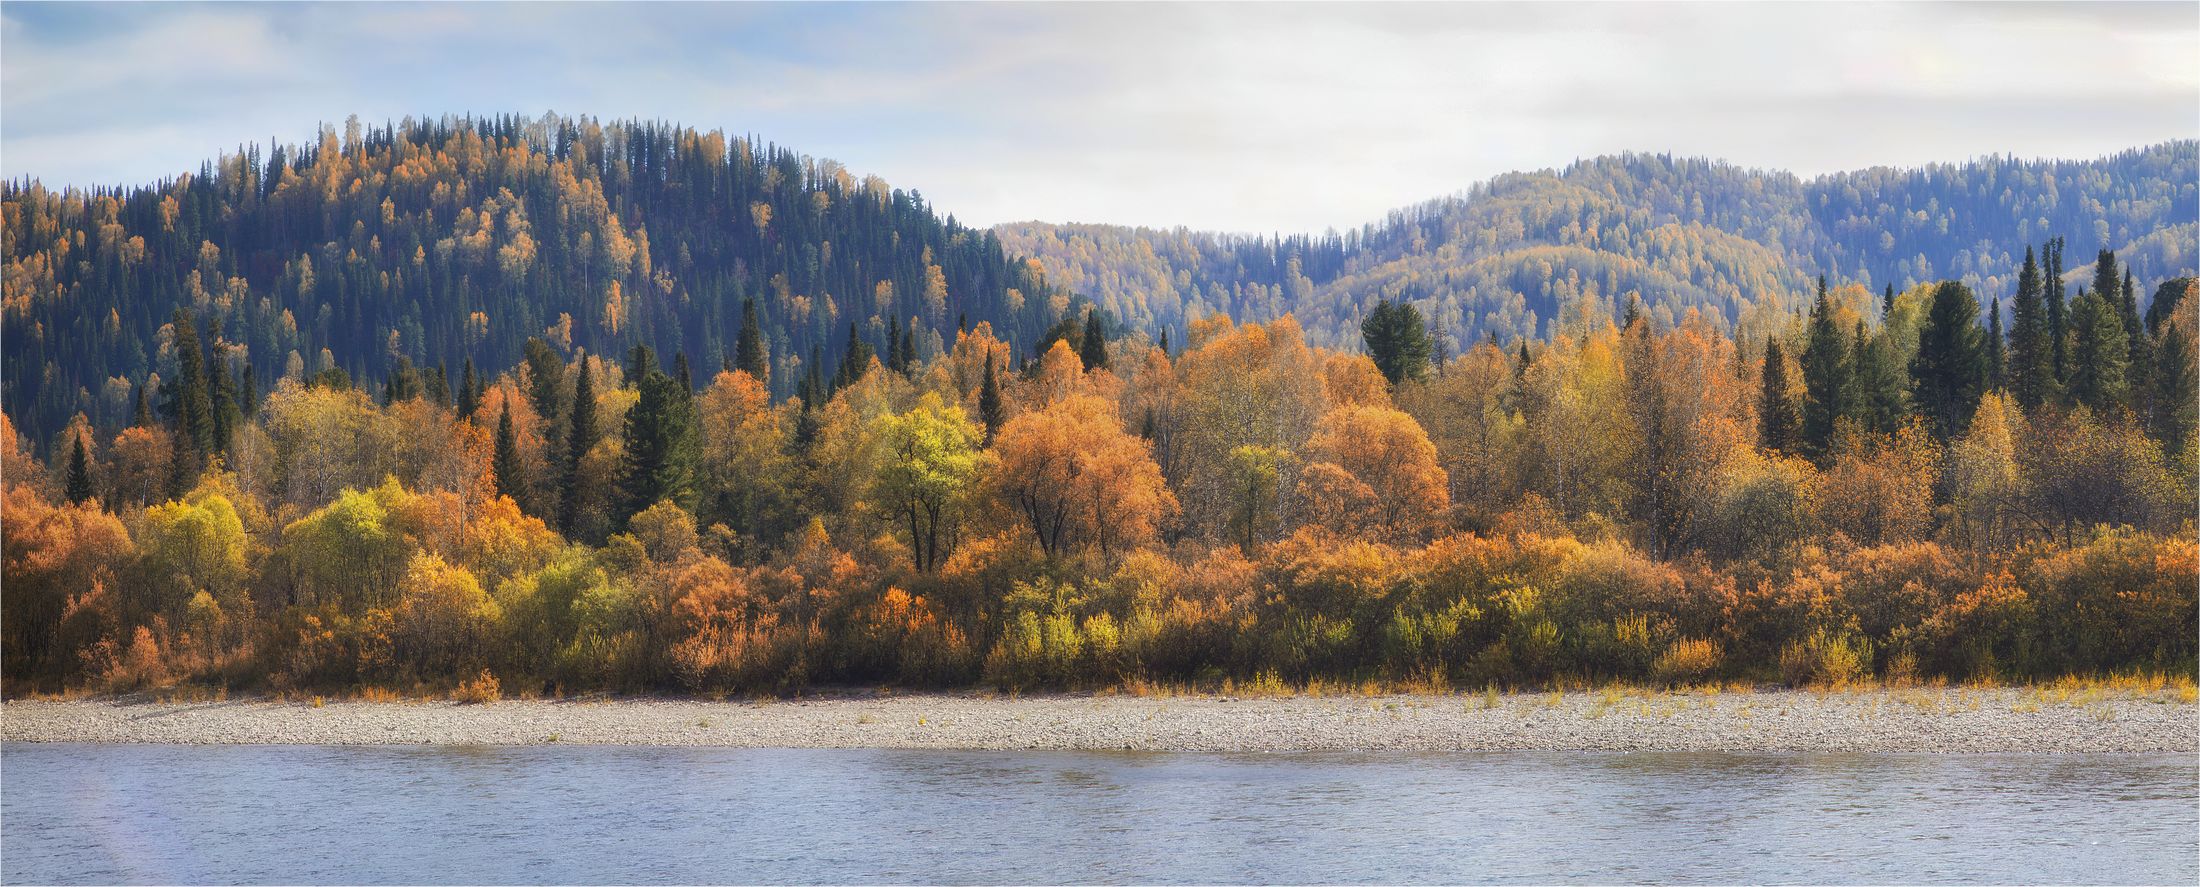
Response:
column 482, row 690
column 1827, row 658
column 1687, row 660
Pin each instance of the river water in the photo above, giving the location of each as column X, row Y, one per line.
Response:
column 318, row 814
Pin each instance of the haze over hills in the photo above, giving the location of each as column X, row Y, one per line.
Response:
column 1507, row 255
column 439, row 243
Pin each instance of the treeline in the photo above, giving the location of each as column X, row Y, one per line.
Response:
column 1886, row 487
column 431, row 244
column 1738, row 245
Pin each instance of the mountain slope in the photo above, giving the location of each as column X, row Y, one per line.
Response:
column 1509, row 254
column 444, row 241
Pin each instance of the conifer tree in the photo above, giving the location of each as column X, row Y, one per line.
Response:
column 1397, row 341
column 580, row 435
column 2030, row 360
column 1949, row 371
column 854, row 363
column 1826, row 372
column 990, row 408
column 1775, row 408
column 79, row 487
column 1879, row 395
column 1094, row 349
column 468, row 398
column 660, row 441
column 909, row 347
column 221, row 399
column 141, row 415
column 1995, row 378
column 1886, row 304
column 2058, row 311
column 2172, row 411
column 2098, row 354
column 189, row 407
column 2139, row 364
column 510, row 473
column 895, row 359
column 748, row 347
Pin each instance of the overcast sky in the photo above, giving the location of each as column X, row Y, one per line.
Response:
column 1242, row 117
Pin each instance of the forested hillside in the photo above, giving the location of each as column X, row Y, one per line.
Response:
column 1508, row 255
column 434, row 243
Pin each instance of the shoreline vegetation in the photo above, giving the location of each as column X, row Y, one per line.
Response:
column 1861, row 487
column 2124, row 716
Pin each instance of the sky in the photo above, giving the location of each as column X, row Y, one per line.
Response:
column 1243, row 117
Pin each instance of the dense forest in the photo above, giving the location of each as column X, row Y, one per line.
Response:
column 1889, row 485
column 432, row 244
column 1740, row 246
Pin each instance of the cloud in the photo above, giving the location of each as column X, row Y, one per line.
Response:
column 1245, row 117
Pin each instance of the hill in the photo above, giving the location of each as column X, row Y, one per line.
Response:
column 1508, row 254
column 435, row 243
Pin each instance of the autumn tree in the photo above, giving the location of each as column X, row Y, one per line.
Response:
column 1371, row 469
column 929, row 458
column 1077, row 478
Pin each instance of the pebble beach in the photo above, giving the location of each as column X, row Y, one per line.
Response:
column 1909, row 720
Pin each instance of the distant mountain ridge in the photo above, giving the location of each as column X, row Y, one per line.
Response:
column 1508, row 255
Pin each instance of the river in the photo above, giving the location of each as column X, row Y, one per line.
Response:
column 79, row 813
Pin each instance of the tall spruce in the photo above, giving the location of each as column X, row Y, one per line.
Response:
column 1886, row 304
column 580, row 435
column 853, row 363
column 221, row 398
column 2172, row 411
column 2099, row 355
column 468, row 398
column 2139, row 364
column 1949, row 372
column 79, row 486
column 895, row 359
column 660, row 440
column 1826, row 372
column 748, row 346
column 189, row 407
column 1995, row 365
column 2029, row 367
column 141, row 414
column 1398, row 342
column 1879, row 391
column 1775, row 407
column 2058, row 314
column 1093, row 350
column 990, row 409
column 511, row 476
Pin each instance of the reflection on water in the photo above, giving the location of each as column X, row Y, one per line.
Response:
column 262, row 814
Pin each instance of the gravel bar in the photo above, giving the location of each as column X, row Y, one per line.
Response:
column 1927, row 720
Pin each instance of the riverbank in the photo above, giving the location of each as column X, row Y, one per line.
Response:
column 1957, row 720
